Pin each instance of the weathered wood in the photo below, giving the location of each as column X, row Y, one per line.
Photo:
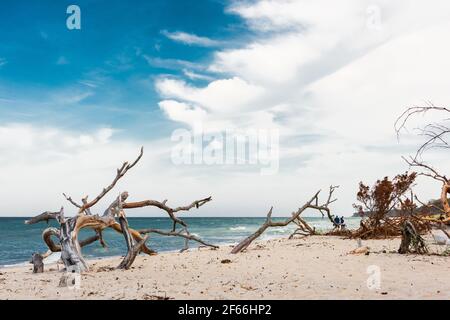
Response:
column 411, row 238
column 131, row 253
column 46, row 216
column 38, row 263
column 311, row 204
column 67, row 233
column 183, row 233
column 304, row 229
column 70, row 248
column 170, row 211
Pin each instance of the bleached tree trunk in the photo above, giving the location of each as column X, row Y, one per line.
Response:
column 67, row 233
column 269, row 223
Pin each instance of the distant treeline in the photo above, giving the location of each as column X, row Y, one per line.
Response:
column 433, row 207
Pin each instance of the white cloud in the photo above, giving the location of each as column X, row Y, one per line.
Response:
column 196, row 76
column 183, row 112
column 278, row 60
column 333, row 77
column 44, row 142
column 191, row 39
column 220, row 96
column 169, row 63
column 3, row 61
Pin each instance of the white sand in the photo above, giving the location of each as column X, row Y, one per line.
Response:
column 311, row 268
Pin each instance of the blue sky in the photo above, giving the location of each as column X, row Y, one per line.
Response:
column 104, row 61
column 330, row 77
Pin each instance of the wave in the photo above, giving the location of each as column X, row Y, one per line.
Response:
column 281, row 231
column 21, row 264
column 238, row 228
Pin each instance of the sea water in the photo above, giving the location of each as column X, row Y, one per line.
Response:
column 19, row 241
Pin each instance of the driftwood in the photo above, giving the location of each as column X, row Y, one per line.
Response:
column 113, row 217
column 269, row 223
column 38, row 264
column 303, row 229
column 183, row 233
column 411, row 238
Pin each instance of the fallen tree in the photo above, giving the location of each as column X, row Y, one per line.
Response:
column 303, row 227
column 114, row 217
column 384, row 197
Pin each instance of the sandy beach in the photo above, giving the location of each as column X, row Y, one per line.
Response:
column 311, row 268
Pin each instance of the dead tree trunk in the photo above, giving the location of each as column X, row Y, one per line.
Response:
column 247, row 241
column 132, row 247
column 410, row 237
column 38, row 264
column 70, row 248
column 67, row 234
column 311, row 204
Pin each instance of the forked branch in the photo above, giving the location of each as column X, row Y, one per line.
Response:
column 67, row 234
column 313, row 203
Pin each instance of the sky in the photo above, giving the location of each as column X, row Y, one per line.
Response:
column 325, row 79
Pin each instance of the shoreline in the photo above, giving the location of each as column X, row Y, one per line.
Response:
column 231, row 232
column 93, row 259
column 317, row 267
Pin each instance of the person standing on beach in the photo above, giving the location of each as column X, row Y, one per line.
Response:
column 337, row 222
column 342, row 222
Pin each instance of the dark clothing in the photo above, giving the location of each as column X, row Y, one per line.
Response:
column 336, row 220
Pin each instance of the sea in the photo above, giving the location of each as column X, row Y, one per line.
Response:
column 19, row 241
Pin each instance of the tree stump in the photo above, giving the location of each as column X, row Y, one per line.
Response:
column 38, row 263
column 411, row 238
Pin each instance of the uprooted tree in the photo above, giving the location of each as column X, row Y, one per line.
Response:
column 302, row 226
column 113, row 217
column 387, row 206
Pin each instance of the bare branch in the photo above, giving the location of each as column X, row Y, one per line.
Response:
column 311, row 204
column 68, row 232
column 428, row 205
column 401, row 121
column 413, row 162
column 435, row 132
column 120, row 173
column 183, row 233
column 170, row 211
column 71, row 201
column 46, row 216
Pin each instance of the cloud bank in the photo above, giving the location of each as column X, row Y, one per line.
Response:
column 331, row 77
